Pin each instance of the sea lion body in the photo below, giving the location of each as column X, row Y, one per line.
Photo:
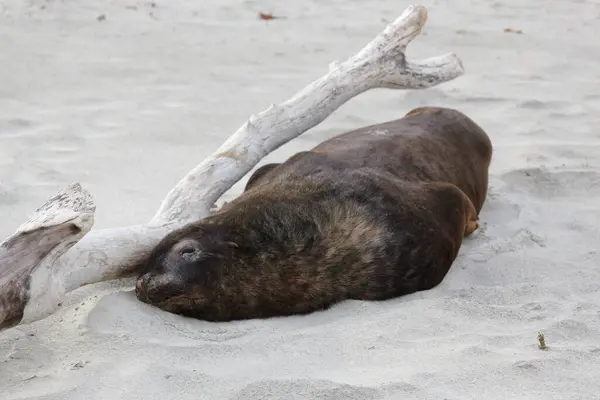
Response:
column 371, row 214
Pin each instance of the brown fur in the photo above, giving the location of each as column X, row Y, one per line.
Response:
column 371, row 214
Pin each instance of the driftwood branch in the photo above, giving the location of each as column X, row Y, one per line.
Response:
column 29, row 283
column 49, row 256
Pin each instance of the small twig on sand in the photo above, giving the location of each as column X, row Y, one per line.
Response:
column 511, row 30
column 542, row 341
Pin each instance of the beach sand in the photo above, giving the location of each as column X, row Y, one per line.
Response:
column 127, row 96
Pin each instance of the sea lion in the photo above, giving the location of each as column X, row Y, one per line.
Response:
column 371, row 214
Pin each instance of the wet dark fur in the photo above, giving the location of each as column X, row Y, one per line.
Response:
column 372, row 214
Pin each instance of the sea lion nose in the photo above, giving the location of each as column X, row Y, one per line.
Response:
column 156, row 288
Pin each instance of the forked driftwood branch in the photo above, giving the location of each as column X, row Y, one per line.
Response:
column 51, row 255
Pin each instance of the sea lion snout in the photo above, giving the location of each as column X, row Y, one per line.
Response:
column 157, row 289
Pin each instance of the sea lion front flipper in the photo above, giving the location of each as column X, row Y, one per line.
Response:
column 471, row 227
column 472, row 223
column 448, row 192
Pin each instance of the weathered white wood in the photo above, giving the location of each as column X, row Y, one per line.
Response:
column 116, row 253
column 29, row 284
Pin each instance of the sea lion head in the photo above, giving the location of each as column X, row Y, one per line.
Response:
column 183, row 269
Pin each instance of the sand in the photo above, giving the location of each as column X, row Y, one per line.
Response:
column 127, row 96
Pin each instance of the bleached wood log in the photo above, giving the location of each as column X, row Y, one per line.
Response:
column 27, row 273
column 36, row 270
